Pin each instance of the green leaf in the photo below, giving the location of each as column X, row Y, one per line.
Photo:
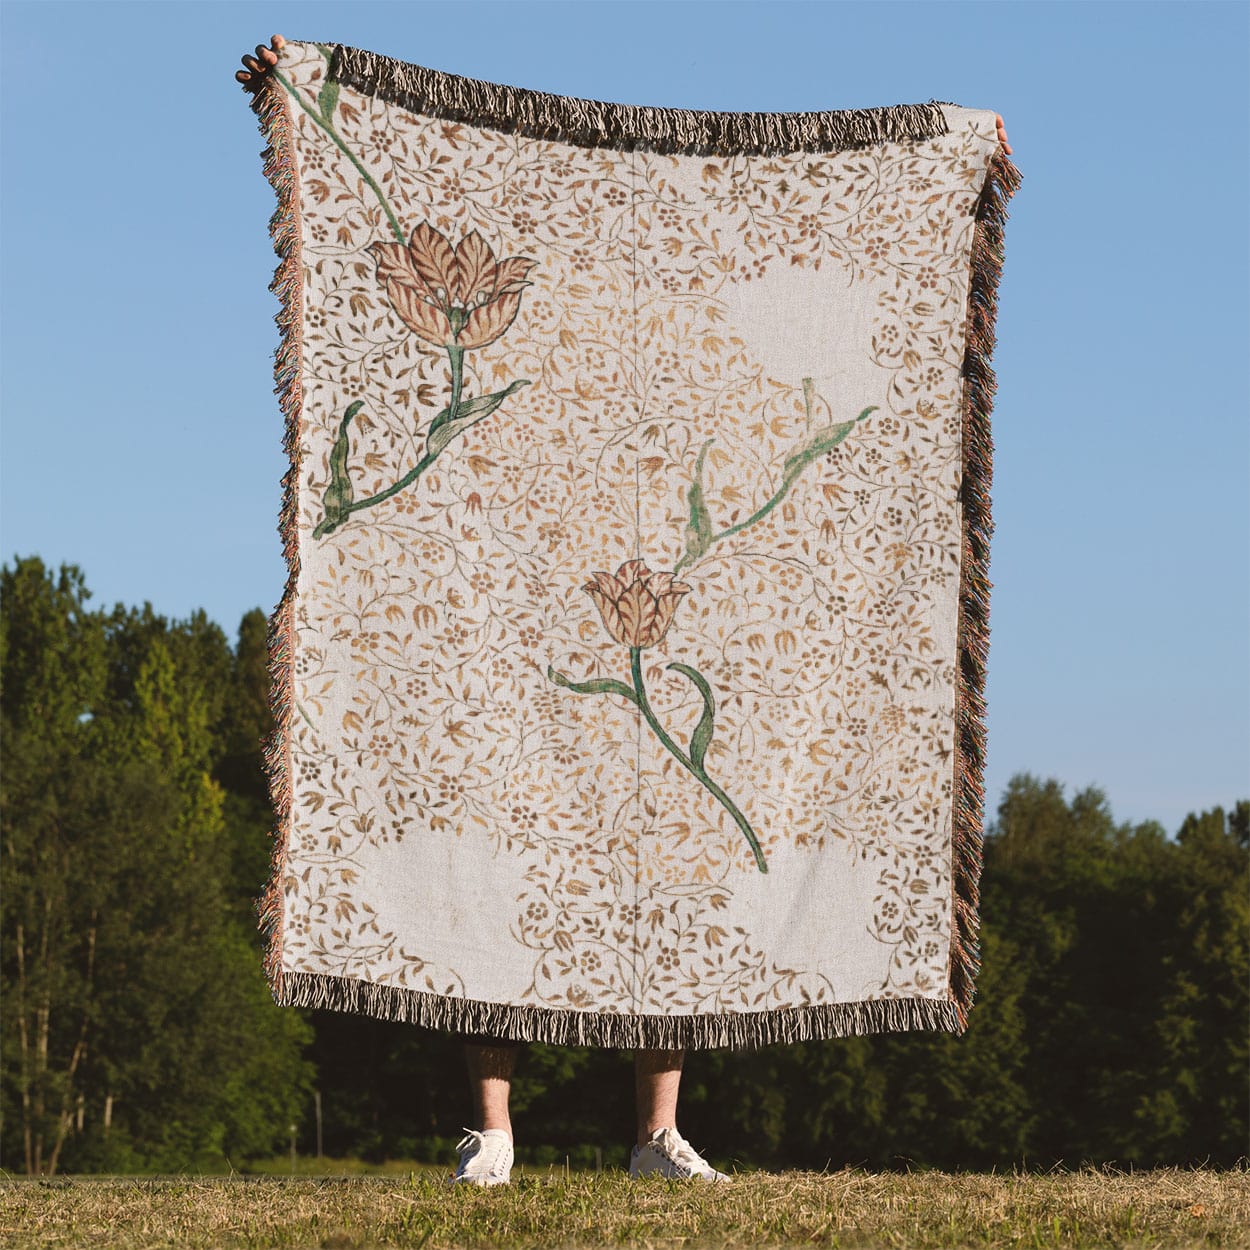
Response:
column 596, row 685
column 699, row 527
column 701, row 739
column 338, row 496
column 823, row 440
column 469, row 412
column 328, row 98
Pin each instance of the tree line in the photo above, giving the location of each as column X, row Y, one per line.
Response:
column 137, row 1032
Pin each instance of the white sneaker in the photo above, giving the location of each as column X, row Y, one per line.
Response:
column 485, row 1158
column 668, row 1153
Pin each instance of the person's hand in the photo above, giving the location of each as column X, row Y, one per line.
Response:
column 260, row 64
column 1002, row 131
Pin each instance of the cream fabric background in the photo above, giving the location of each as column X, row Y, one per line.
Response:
column 464, row 825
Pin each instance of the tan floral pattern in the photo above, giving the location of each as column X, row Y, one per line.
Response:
column 673, row 308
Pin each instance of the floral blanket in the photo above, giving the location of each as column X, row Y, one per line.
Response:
column 628, row 677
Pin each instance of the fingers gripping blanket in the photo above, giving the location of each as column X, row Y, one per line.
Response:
column 628, row 675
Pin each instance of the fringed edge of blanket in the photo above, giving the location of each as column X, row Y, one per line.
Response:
column 974, row 587
column 625, row 127
column 273, row 112
column 732, row 1030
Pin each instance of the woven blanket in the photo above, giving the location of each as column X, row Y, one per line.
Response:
column 628, row 676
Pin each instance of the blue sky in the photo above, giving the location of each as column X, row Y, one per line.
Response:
column 142, row 441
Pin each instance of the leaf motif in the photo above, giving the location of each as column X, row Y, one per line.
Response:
column 702, row 736
column 596, row 685
column 822, row 441
column 699, row 527
column 328, row 98
column 339, row 493
column 445, row 427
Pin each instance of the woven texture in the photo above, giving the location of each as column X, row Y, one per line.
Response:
column 628, row 676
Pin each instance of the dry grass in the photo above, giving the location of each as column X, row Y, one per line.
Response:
column 851, row 1208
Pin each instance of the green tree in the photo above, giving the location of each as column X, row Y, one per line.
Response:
column 1198, row 1104
column 143, row 1033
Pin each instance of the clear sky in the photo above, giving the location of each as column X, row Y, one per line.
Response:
column 142, row 441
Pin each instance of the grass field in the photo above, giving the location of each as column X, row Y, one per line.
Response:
column 849, row 1208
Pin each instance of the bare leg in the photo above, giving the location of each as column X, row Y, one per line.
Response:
column 657, row 1076
column 490, row 1078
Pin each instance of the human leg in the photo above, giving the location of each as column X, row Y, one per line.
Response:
column 486, row 1154
column 657, row 1078
column 491, row 1062
column 661, row 1150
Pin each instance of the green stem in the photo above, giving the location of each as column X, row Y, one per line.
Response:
column 324, row 123
column 786, row 483
column 456, row 354
column 356, row 504
column 635, row 666
column 762, row 511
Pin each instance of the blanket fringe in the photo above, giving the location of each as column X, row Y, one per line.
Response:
column 270, row 106
column 1001, row 183
column 625, row 127
column 732, row 1030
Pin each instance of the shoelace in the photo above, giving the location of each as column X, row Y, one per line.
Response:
column 681, row 1151
column 471, row 1135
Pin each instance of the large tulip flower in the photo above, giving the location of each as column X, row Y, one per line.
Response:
column 636, row 604
column 454, row 297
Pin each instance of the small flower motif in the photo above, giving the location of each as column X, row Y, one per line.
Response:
column 379, row 746
column 636, row 605
column 367, row 641
column 524, row 817
column 451, row 187
column 809, row 226
column 309, row 771
column 307, row 660
column 876, row 246
column 450, row 789
column 454, row 297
